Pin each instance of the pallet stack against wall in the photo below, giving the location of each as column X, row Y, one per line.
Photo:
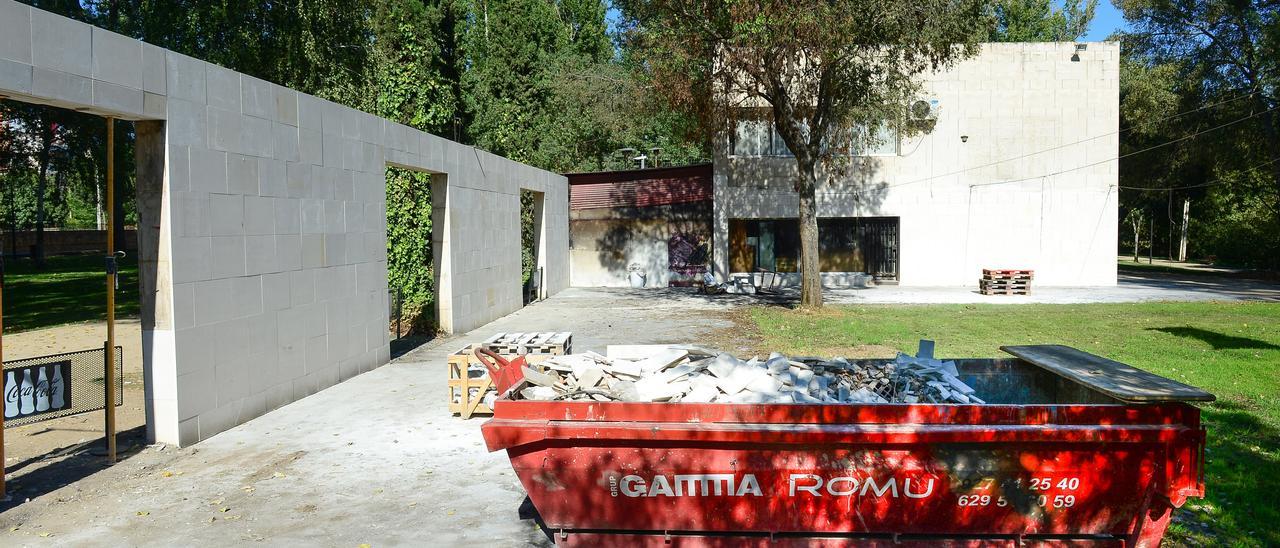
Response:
column 469, row 381
column 1005, row 282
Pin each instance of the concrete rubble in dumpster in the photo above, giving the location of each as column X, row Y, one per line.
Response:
column 679, row 373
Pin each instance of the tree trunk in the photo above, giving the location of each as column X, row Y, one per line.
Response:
column 810, row 275
column 1137, row 227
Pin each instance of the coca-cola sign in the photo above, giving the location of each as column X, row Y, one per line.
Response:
column 37, row 389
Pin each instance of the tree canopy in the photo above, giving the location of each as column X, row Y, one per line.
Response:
column 1040, row 21
column 1203, row 75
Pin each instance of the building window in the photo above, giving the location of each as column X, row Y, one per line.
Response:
column 752, row 138
column 768, row 245
column 845, row 244
column 759, row 138
column 883, row 142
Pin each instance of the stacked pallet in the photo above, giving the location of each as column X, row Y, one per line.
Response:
column 549, row 342
column 471, row 391
column 1005, row 282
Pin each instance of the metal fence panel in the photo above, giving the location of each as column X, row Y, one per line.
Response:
column 58, row 385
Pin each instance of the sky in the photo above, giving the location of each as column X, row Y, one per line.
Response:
column 1106, row 19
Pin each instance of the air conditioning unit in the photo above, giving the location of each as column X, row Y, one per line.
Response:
column 925, row 109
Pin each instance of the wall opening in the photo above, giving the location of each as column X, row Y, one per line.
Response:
column 53, row 171
column 532, row 255
column 412, row 278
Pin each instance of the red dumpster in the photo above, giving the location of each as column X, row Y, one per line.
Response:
column 1071, row 449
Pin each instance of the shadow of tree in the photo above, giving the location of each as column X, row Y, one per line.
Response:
column 77, row 462
column 1242, row 473
column 1217, row 340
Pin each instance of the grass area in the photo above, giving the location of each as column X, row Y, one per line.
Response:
column 68, row 289
column 1230, row 349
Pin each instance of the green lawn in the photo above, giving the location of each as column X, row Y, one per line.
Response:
column 69, row 289
column 1230, row 349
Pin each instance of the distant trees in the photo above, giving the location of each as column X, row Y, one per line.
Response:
column 1203, row 75
column 1040, row 21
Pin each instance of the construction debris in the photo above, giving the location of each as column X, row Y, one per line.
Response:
column 693, row 374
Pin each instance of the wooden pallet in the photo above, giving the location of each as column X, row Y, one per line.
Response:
column 990, row 291
column 469, row 382
column 549, row 342
column 1007, row 274
column 1005, row 283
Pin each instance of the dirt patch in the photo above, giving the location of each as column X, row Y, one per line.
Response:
column 744, row 338
column 275, row 468
column 26, row 447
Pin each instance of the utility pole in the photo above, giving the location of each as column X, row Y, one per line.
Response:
column 1186, row 220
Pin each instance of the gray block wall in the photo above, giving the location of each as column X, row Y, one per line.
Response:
column 265, row 269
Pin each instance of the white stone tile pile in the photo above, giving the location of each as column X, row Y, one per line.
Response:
column 696, row 375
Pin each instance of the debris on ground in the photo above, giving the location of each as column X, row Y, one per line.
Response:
column 680, row 373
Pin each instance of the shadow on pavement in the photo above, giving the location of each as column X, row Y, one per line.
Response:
column 71, row 464
column 407, row 344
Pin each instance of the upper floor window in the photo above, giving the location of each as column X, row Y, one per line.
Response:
column 759, row 138
column 883, row 142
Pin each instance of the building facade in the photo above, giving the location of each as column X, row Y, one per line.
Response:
column 655, row 222
column 1018, row 171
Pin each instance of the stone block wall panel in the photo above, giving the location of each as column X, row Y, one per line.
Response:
column 272, row 221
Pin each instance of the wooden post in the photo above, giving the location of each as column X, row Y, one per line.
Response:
column 3, row 493
column 109, row 375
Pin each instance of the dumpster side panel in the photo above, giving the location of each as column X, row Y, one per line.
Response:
column 926, row 489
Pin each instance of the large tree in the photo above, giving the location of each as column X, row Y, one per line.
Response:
column 817, row 70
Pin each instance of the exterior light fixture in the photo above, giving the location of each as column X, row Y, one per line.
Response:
column 964, row 138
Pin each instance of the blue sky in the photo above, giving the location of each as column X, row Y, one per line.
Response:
column 1106, row 19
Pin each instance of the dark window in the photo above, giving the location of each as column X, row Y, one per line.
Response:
column 845, row 244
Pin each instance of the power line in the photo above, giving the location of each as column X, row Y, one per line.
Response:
column 1126, row 155
column 1218, row 181
column 1094, row 138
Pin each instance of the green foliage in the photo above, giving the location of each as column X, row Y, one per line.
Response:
column 1218, row 61
column 410, row 272
column 528, row 236
column 1040, row 21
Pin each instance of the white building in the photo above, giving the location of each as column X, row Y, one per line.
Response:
column 1018, row 172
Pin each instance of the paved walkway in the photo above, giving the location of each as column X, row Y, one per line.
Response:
column 376, row 459
column 379, row 460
